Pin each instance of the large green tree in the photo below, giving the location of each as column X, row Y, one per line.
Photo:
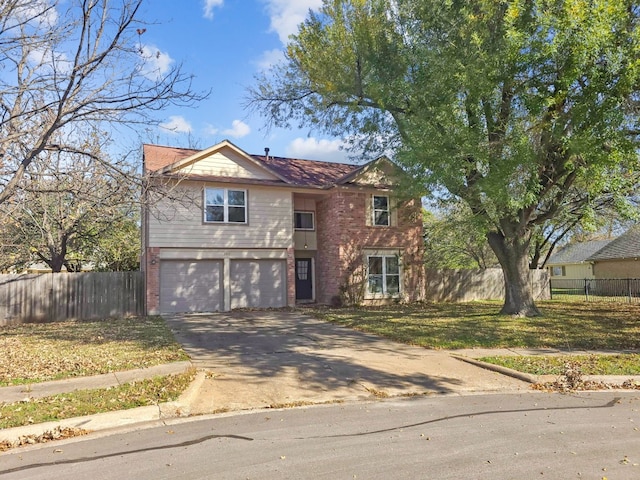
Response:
column 511, row 106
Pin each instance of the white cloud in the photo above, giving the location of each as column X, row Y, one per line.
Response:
column 238, row 129
column 156, row 62
column 177, row 124
column 51, row 61
column 270, row 58
column 314, row 149
column 209, row 5
column 286, row 15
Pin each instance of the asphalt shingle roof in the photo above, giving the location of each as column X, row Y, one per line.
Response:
column 294, row 171
column 626, row 245
column 577, row 252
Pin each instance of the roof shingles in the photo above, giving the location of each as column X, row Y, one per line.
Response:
column 577, row 252
column 294, row 171
column 625, row 246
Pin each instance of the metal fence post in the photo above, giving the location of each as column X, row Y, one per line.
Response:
column 586, row 290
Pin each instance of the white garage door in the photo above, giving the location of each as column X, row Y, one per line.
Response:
column 258, row 284
column 190, row 286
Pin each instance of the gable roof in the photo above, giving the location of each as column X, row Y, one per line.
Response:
column 577, row 252
column 164, row 160
column 626, row 245
column 156, row 157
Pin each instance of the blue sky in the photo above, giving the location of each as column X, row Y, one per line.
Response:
column 225, row 43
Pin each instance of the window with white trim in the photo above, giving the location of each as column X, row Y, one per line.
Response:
column 384, row 275
column 303, row 220
column 225, row 205
column 381, row 213
column 558, row 271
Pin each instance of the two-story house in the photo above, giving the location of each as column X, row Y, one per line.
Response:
column 223, row 229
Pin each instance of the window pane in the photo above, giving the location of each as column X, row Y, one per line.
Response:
column 215, row 214
column 381, row 218
column 236, row 214
column 375, row 265
column 236, row 197
column 214, row 196
column 375, row 283
column 392, row 265
column 380, row 203
column 393, row 284
column 304, row 220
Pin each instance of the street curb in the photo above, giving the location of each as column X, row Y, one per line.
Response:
column 525, row 377
column 614, row 380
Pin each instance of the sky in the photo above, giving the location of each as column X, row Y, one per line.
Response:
column 225, row 43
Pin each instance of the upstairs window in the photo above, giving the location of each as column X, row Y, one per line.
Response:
column 222, row 205
column 381, row 216
column 384, row 275
column 303, row 220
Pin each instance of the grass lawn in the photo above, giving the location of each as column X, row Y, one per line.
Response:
column 87, row 402
column 39, row 352
column 50, row 351
column 590, row 326
column 626, row 364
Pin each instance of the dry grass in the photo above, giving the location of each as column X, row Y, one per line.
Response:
column 51, row 351
column 87, row 402
column 589, row 326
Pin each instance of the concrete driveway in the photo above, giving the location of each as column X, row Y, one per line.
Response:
column 277, row 358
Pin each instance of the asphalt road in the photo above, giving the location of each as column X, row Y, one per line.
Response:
column 514, row 436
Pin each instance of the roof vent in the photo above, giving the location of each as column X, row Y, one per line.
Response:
column 266, row 152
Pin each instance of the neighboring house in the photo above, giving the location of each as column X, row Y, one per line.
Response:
column 601, row 259
column 572, row 261
column 233, row 230
column 620, row 258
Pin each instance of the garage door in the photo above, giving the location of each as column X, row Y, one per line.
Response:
column 258, row 283
column 190, row 286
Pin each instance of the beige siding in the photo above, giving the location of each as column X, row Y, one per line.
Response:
column 227, row 163
column 579, row 271
column 628, row 268
column 178, row 221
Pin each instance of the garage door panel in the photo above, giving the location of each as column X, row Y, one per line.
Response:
column 190, row 286
column 258, row 284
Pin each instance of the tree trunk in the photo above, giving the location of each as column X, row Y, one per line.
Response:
column 513, row 255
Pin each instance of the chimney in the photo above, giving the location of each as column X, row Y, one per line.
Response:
column 266, row 152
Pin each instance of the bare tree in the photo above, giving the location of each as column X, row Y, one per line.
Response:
column 68, row 67
column 64, row 207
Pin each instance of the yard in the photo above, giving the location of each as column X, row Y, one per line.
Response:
column 37, row 352
column 40, row 352
column 50, row 351
column 578, row 326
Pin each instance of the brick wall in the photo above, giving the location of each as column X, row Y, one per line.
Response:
column 343, row 235
column 152, row 279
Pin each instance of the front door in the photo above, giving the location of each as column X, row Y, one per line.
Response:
column 304, row 286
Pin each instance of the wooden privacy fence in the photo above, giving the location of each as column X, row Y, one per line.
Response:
column 470, row 285
column 60, row 296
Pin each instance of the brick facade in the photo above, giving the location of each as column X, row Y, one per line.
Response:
column 151, row 266
column 343, row 236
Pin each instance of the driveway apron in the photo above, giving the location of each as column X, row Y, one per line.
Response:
column 276, row 358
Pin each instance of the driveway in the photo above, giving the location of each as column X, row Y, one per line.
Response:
column 276, row 358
